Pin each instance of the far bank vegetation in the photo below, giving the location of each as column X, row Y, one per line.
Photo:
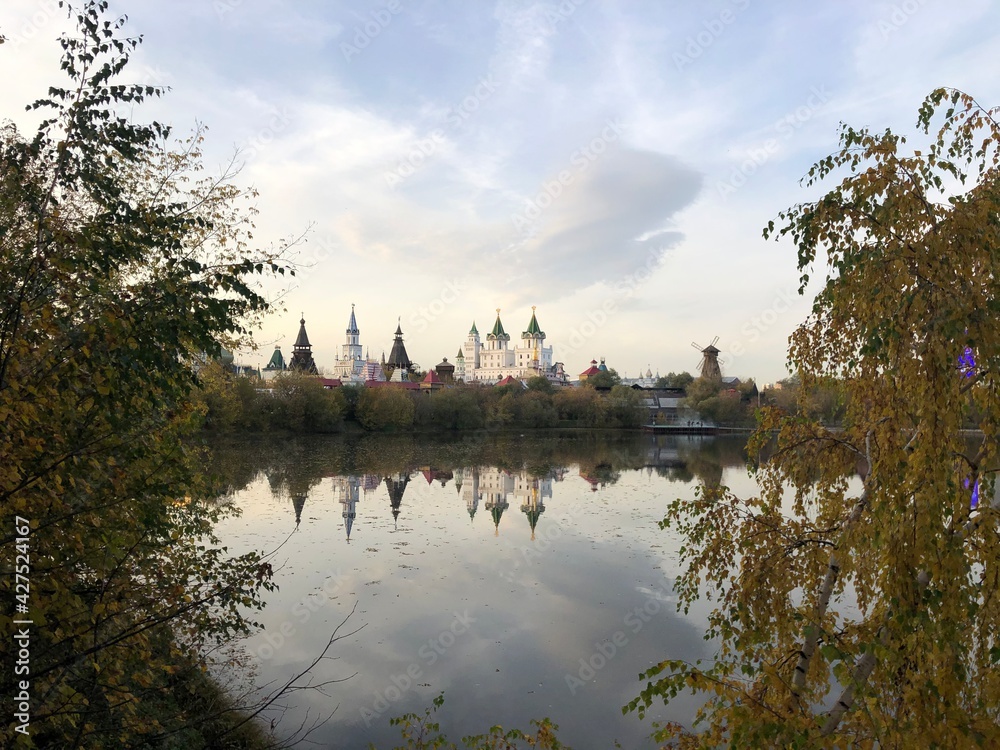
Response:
column 299, row 403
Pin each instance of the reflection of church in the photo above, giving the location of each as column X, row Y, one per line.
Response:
column 497, row 488
column 493, row 489
column 347, row 490
column 396, row 484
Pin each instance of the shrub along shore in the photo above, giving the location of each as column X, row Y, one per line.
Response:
column 300, row 404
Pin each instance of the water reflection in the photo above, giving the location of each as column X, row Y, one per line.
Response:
column 524, row 576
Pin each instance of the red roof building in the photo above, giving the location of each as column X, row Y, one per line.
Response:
column 590, row 371
column 431, row 382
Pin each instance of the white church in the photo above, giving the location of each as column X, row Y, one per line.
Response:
column 496, row 360
column 352, row 366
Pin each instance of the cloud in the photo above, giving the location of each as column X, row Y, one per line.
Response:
column 606, row 223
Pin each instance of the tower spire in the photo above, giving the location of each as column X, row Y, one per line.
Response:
column 302, row 358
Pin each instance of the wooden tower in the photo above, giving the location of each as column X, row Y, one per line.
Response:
column 709, row 365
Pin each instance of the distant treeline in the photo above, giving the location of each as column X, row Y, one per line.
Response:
column 300, row 404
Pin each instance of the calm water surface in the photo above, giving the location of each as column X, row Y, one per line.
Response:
column 522, row 576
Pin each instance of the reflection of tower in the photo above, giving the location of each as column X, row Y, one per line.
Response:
column 591, row 479
column 441, row 475
column 470, row 486
column 350, row 487
column 298, row 502
column 496, row 509
column 396, row 484
column 349, row 515
column 496, row 486
column 533, row 507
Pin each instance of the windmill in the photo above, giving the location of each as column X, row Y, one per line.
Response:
column 709, row 365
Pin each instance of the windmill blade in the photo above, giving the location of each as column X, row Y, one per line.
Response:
column 714, row 341
column 696, row 346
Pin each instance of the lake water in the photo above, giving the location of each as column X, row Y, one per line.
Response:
column 522, row 576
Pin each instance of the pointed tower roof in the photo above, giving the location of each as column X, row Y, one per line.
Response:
column 533, row 328
column 352, row 324
column 277, row 361
column 498, row 332
column 497, row 511
column 498, row 326
column 302, row 358
column 459, row 355
column 398, row 358
column 474, row 329
column 303, row 338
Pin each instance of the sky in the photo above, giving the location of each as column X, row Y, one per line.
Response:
column 611, row 164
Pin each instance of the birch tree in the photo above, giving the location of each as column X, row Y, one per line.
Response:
column 856, row 596
column 119, row 265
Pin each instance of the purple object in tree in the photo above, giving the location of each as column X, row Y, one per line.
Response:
column 967, row 363
column 975, row 492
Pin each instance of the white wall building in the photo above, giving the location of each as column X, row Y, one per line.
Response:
column 496, row 359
